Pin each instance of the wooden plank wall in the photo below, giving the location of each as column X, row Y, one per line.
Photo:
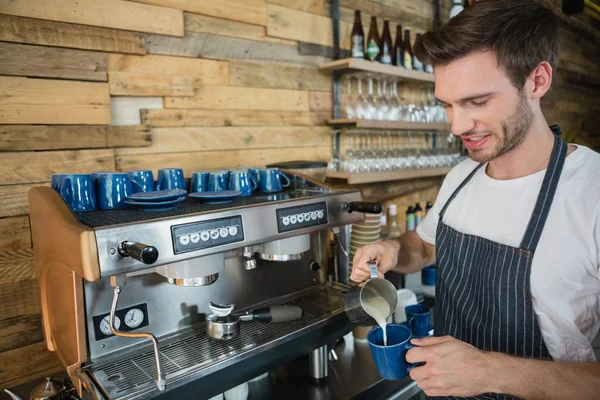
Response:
column 88, row 85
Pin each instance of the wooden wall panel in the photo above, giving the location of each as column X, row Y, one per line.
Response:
column 32, row 167
column 55, row 137
column 317, row 7
column 13, row 199
column 253, row 74
column 162, row 75
column 117, row 14
column 216, row 26
column 193, row 161
column 241, row 98
column 19, row 298
column 249, row 11
column 320, row 101
column 45, row 101
column 287, row 23
column 52, row 62
column 20, row 331
column 14, row 234
column 49, row 33
column 126, row 110
column 201, row 45
column 26, row 363
column 17, row 266
column 196, row 117
column 173, row 140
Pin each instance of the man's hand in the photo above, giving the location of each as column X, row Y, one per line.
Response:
column 452, row 367
column 385, row 254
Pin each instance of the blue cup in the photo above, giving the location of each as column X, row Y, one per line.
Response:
column 199, row 181
column 77, row 190
column 113, row 189
column 242, row 182
column 390, row 360
column 218, row 181
column 255, row 172
column 55, row 179
column 417, row 319
column 142, row 180
column 272, row 180
column 428, row 276
column 170, row 178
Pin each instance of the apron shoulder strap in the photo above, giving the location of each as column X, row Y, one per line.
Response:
column 458, row 189
column 546, row 195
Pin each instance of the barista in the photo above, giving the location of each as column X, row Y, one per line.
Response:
column 515, row 229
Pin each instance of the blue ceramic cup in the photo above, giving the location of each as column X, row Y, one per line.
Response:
column 428, row 276
column 218, row 181
column 77, row 190
column 142, row 180
column 170, row 178
column 199, row 181
column 242, row 182
column 55, row 179
column 255, row 172
column 113, row 189
column 417, row 319
column 272, row 180
column 390, row 360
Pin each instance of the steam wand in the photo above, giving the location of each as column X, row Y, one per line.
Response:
column 117, row 281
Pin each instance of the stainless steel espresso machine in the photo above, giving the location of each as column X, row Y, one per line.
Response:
column 129, row 297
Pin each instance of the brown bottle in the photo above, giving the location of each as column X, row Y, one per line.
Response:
column 358, row 37
column 373, row 42
column 407, row 50
column 416, row 64
column 398, row 53
column 386, row 44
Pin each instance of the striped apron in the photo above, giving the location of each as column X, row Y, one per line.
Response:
column 483, row 294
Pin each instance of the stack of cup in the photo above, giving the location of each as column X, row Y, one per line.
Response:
column 406, row 297
column 364, row 233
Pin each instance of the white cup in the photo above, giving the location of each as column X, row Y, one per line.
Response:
column 406, row 297
column 239, row 392
column 217, row 397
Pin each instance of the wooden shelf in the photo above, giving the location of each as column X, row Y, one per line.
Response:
column 399, row 125
column 370, row 177
column 358, row 64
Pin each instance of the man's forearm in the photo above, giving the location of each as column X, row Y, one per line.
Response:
column 545, row 380
column 414, row 254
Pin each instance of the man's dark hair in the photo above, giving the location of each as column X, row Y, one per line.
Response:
column 521, row 33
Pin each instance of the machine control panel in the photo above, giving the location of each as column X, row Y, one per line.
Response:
column 292, row 218
column 126, row 320
column 207, row 234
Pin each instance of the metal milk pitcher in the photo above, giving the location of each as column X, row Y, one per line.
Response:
column 374, row 287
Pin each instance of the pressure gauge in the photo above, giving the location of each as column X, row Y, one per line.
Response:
column 134, row 318
column 105, row 325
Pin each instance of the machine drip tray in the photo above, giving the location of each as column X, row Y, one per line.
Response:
column 194, row 357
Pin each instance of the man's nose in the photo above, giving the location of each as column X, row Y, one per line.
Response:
column 460, row 120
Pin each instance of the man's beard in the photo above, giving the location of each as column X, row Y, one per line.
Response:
column 514, row 129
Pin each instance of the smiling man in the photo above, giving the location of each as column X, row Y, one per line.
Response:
column 515, row 230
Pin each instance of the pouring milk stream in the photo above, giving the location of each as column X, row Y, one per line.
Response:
column 379, row 309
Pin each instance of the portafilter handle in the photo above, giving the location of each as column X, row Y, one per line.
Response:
column 139, row 251
column 274, row 314
column 366, row 207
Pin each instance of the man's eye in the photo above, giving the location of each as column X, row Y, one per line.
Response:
column 444, row 105
column 479, row 103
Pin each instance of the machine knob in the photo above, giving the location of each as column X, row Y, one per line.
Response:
column 314, row 266
column 363, row 207
column 139, row 251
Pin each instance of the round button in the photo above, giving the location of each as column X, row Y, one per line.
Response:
column 204, row 235
column 223, row 232
column 214, row 234
column 184, row 239
column 307, row 216
column 233, row 230
column 300, row 218
column 285, row 220
column 293, row 219
column 313, row 215
column 195, row 237
column 320, row 214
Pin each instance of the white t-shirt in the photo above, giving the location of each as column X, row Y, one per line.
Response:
column 565, row 273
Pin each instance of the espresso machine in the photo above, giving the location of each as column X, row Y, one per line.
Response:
column 130, row 297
